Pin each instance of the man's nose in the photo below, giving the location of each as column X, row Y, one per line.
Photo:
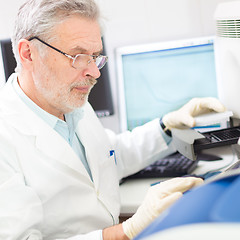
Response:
column 92, row 70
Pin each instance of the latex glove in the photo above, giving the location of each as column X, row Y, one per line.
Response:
column 159, row 197
column 184, row 117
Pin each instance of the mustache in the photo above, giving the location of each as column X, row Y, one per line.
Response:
column 86, row 82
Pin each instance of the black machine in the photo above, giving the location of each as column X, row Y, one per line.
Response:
column 218, row 138
column 190, row 142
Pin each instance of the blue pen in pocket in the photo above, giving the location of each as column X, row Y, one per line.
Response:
column 112, row 153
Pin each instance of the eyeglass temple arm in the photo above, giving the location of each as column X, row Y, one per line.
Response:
column 30, row 39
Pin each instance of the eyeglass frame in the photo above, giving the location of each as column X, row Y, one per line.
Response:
column 70, row 56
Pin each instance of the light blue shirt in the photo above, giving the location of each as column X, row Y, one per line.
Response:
column 65, row 128
column 165, row 136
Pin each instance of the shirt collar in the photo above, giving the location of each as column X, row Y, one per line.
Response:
column 73, row 118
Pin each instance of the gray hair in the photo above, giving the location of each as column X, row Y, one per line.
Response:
column 39, row 17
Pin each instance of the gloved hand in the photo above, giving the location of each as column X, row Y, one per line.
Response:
column 184, row 117
column 158, row 198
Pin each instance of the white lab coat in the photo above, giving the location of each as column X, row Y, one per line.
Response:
column 45, row 191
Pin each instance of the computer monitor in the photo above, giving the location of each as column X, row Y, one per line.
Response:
column 100, row 97
column 157, row 78
column 9, row 62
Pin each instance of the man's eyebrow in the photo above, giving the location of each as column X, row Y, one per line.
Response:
column 78, row 50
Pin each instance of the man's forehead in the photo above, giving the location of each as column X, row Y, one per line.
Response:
column 79, row 33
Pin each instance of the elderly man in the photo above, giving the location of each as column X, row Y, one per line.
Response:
column 59, row 168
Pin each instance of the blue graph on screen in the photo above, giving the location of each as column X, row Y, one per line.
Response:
column 158, row 82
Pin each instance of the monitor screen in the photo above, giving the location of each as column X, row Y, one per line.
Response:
column 157, row 78
column 100, row 97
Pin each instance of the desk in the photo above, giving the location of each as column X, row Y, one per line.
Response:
column 132, row 192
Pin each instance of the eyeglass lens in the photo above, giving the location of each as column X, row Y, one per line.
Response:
column 81, row 59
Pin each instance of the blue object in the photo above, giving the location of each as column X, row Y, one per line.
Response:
column 217, row 201
column 112, row 152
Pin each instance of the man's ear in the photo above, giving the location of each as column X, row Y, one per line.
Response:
column 25, row 53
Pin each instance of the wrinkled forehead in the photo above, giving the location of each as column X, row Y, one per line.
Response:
column 78, row 32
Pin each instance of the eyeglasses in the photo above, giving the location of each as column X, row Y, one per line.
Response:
column 79, row 60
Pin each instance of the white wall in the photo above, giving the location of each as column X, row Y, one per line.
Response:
column 134, row 22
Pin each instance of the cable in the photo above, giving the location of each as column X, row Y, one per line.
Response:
column 218, row 170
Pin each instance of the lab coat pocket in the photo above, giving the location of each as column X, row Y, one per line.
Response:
column 109, row 184
column 109, row 166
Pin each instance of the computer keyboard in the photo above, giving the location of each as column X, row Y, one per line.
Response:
column 174, row 165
